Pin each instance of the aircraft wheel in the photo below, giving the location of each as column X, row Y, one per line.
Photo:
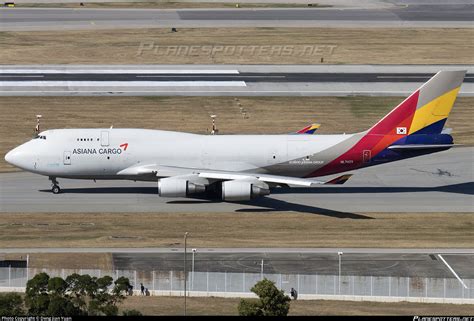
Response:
column 56, row 189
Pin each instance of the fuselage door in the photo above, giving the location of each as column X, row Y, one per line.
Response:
column 67, row 158
column 366, row 156
column 104, row 138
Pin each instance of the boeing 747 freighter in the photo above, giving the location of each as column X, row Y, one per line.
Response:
column 242, row 167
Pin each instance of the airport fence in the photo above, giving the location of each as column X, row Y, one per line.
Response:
column 239, row 284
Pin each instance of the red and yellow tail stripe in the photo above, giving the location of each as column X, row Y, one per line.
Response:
column 423, row 113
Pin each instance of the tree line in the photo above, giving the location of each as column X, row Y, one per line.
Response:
column 84, row 295
column 77, row 295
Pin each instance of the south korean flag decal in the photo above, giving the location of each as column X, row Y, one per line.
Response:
column 401, row 130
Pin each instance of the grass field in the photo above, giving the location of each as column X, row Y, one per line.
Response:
column 266, row 115
column 227, row 306
column 101, row 261
column 240, row 46
column 270, row 229
column 173, row 306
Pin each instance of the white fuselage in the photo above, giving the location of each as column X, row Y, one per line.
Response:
column 102, row 153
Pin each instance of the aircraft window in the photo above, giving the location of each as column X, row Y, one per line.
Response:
column 81, row 139
column 40, row 137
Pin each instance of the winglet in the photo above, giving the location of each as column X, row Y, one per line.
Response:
column 309, row 129
column 339, row 180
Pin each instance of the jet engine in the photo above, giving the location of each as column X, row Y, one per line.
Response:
column 239, row 190
column 178, row 187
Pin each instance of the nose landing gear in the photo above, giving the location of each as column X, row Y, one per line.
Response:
column 55, row 186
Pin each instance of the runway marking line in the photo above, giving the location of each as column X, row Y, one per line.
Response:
column 206, row 76
column 402, row 77
column 113, row 83
column 15, row 76
column 58, row 70
column 452, row 271
column 412, row 77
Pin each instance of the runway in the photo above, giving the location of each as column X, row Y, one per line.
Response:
column 278, row 77
column 225, row 80
column 413, row 15
column 441, row 182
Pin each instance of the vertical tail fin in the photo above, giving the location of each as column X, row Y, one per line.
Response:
column 309, row 129
column 419, row 119
column 426, row 110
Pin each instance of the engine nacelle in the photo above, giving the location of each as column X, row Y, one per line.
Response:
column 243, row 190
column 178, row 187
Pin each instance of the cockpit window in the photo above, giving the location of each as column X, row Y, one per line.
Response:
column 40, row 137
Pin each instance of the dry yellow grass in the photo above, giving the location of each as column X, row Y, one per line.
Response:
column 274, row 229
column 173, row 306
column 101, row 261
column 191, row 114
column 227, row 306
column 351, row 46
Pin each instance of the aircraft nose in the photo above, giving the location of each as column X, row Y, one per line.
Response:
column 19, row 157
column 11, row 156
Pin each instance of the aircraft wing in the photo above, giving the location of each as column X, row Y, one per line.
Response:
column 218, row 175
column 272, row 179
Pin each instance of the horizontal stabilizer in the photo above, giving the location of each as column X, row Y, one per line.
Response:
column 419, row 146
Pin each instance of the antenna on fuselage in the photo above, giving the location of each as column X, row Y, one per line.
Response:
column 37, row 128
column 214, row 127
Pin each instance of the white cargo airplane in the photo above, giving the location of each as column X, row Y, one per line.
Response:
column 242, row 167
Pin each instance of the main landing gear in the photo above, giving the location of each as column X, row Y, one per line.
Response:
column 55, row 186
